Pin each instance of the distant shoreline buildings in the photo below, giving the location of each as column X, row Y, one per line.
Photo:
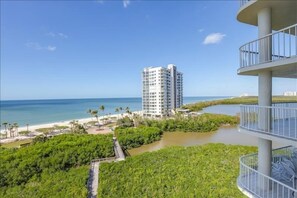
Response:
column 290, row 93
column 162, row 90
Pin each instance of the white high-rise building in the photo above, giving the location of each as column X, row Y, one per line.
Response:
column 162, row 90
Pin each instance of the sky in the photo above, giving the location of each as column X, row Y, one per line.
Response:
column 98, row 49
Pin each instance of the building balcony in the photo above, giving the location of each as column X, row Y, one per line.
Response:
column 244, row 2
column 281, row 183
column 283, row 12
column 278, row 122
column 276, row 52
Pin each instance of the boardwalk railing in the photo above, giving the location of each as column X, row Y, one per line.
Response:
column 261, row 185
column 275, row 120
column 276, row 46
column 107, row 159
column 93, row 180
column 93, row 175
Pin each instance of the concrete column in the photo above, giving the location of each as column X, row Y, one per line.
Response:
column 264, row 28
column 265, row 99
column 265, row 94
column 264, row 156
column 264, row 22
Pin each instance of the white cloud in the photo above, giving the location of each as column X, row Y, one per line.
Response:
column 62, row 35
column 213, row 38
column 51, row 48
column 201, row 30
column 37, row 46
column 34, row 45
column 53, row 34
column 126, row 3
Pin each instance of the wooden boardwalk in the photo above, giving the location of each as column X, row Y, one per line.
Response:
column 93, row 181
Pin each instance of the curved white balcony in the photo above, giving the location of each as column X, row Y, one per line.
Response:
column 255, row 184
column 283, row 12
column 279, row 121
column 280, row 45
column 243, row 2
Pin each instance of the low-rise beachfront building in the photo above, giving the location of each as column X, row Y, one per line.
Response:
column 290, row 93
column 162, row 90
column 270, row 172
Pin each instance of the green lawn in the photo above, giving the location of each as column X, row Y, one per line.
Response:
column 16, row 144
column 201, row 171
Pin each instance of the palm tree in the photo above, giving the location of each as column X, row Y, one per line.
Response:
column 15, row 126
column 121, row 109
column 136, row 119
column 128, row 111
column 72, row 124
column 102, row 108
column 89, row 111
column 117, row 110
column 95, row 114
column 5, row 127
column 10, row 127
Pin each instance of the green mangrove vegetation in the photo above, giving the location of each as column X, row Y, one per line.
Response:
column 201, row 171
column 27, row 169
column 151, row 130
column 60, row 184
column 239, row 100
column 203, row 123
column 135, row 137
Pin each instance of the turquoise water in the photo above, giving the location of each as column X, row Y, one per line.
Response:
column 34, row 112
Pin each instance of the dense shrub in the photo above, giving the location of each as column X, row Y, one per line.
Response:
column 203, row 123
column 201, row 171
column 18, row 166
column 125, row 122
column 71, row 183
column 135, row 137
column 150, row 130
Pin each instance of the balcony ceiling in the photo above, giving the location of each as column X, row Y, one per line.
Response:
column 284, row 68
column 284, row 12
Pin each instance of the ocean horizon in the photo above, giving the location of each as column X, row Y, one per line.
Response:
column 44, row 111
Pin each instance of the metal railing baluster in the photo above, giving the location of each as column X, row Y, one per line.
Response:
column 278, row 45
column 282, row 123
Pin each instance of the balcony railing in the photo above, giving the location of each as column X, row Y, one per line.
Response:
column 243, row 2
column 276, row 46
column 276, row 120
column 261, row 185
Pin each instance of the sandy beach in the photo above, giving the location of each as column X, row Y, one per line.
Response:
column 93, row 130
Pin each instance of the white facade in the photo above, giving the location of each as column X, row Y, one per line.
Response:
column 162, row 90
column 273, row 54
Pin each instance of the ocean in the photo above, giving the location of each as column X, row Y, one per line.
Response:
column 35, row 112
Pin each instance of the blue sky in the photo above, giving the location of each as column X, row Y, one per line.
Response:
column 94, row 49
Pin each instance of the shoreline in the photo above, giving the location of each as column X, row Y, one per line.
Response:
column 32, row 128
